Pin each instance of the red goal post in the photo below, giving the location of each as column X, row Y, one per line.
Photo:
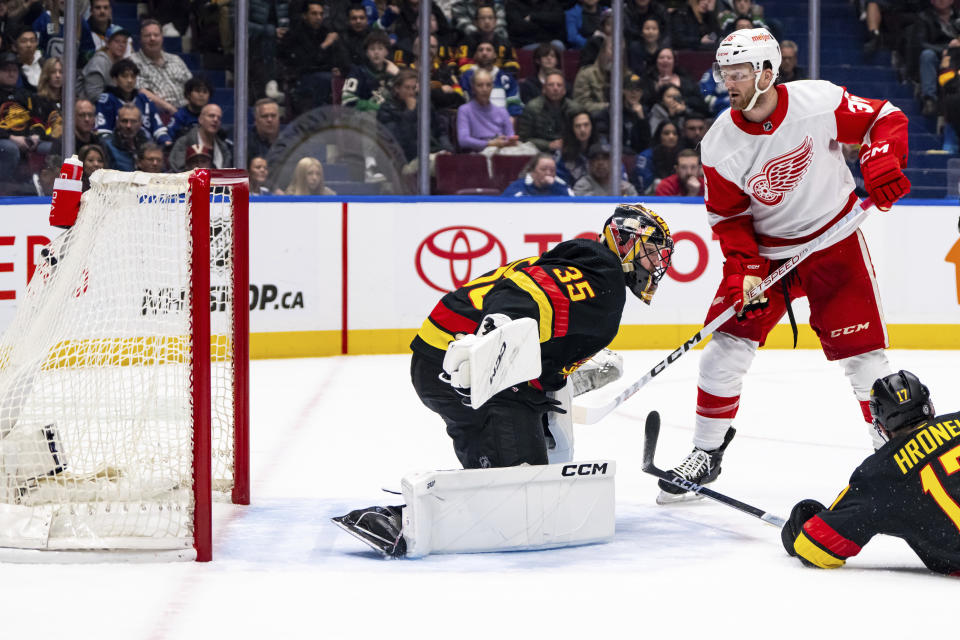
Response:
column 204, row 184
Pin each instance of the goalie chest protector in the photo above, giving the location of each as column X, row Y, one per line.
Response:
column 575, row 292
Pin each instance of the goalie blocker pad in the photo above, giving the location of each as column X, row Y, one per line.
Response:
column 508, row 355
column 509, row 509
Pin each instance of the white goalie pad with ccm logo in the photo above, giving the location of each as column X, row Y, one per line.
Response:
column 509, row 509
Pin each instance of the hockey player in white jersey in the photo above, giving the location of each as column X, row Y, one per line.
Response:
column 775, row 179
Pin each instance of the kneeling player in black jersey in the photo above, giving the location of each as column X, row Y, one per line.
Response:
column 909, row 488
column 575, row 294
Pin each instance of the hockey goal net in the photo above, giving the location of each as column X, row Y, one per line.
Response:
column 123, row 376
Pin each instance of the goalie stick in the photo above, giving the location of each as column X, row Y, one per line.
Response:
column 591, row 415
column 650, row 435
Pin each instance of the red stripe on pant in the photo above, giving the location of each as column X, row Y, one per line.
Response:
column 711, row 406
column 865, row 407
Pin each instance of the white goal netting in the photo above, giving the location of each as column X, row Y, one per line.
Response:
column 96, row 388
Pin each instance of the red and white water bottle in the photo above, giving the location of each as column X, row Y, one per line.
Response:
column 65, row 204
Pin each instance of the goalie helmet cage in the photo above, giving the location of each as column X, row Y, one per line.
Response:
column 116, row 429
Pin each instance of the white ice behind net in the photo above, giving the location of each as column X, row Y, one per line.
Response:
column 96, row 434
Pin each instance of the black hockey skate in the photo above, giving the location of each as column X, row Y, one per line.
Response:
column 379, row 527
column 700, row 467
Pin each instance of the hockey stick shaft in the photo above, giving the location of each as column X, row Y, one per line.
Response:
column 650, row 435
column 591, row 415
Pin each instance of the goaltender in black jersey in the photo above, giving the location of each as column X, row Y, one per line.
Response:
column 576, row 294
column 495, row 359
column 909, row 488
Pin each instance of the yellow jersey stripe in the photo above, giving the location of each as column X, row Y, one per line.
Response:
column 433, row 336
column 526, row 283
column 840, row 497
column 806, row 549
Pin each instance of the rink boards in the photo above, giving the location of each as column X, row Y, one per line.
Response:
column 330, row 277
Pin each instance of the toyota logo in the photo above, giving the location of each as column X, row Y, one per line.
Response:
column 448, row 258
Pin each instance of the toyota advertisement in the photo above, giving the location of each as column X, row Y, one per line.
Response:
column 325, row 275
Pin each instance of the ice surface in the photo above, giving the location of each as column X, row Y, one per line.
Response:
column 329, row 433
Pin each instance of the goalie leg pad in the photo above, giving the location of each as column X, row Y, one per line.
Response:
column 560, row 428
column 509, row 509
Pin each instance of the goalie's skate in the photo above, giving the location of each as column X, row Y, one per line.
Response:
column 700, row 467
column 378, row 527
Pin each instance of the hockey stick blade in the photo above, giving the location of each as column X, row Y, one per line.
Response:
column 853, row 218
column 651, row 433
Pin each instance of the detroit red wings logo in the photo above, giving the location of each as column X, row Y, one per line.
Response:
column 782, row 174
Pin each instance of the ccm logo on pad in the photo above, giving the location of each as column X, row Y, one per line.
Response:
column 854, row 328
column 585, row 469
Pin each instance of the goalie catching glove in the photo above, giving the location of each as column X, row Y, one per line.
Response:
column 740, row 276
column 882, row 174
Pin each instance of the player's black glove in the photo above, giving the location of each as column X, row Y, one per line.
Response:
column 533, row 398
column 801, row 512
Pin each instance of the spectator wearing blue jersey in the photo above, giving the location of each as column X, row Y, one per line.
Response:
column 124, row 75
column 506, row 91
column 197, row 91
column 714, row 93
column 51, row 35
column 539, row 178
column 583, row 20
column 370, row 8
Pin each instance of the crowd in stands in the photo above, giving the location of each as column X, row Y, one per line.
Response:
column 924, row 36
column 525, row 80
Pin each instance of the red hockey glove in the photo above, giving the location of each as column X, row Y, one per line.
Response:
column 882, row 174
column 740, row 275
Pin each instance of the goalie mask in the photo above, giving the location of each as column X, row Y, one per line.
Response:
column 899, row 400
column 642, row 240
